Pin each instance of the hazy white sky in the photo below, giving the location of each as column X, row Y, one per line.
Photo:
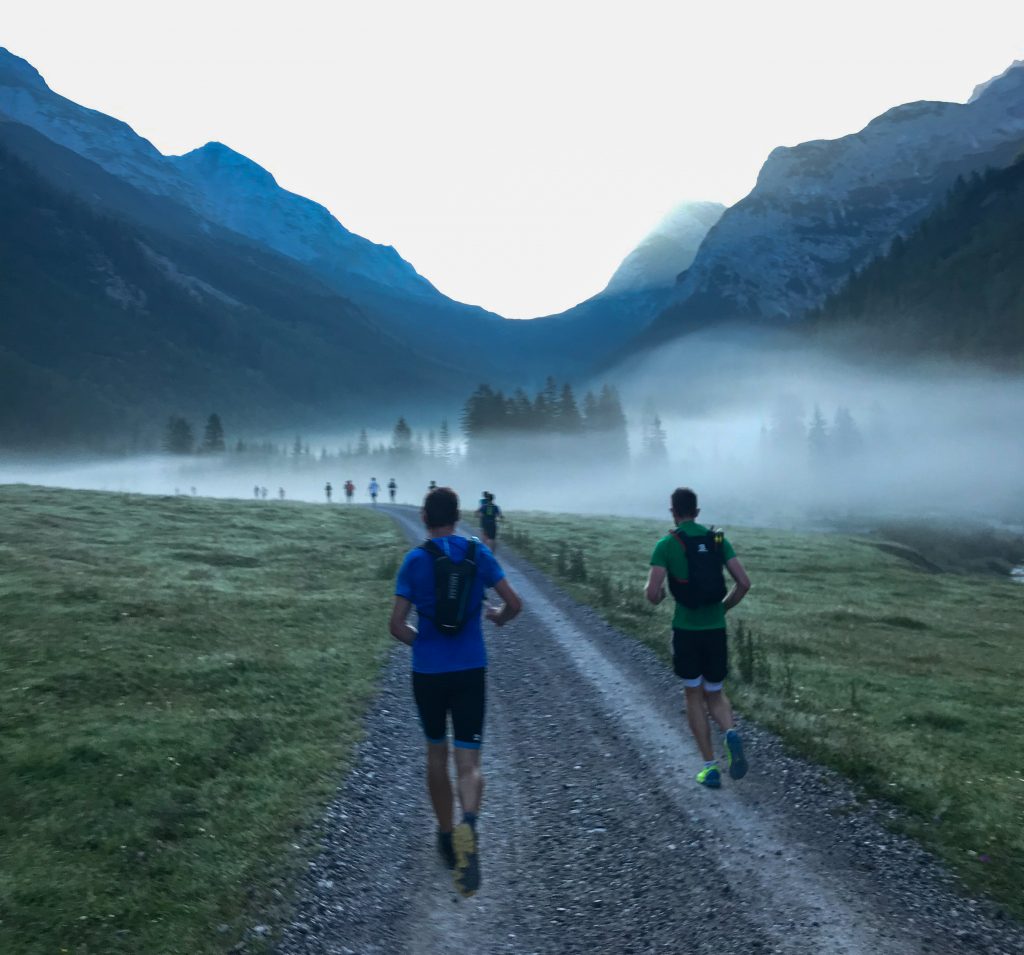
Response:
column 513, row 152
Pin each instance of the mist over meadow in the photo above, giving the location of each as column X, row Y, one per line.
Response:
column 769, row 431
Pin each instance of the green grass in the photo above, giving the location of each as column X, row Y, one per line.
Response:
column 182, row 682
column 908, row 680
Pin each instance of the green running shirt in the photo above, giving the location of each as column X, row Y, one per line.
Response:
column 668, row 553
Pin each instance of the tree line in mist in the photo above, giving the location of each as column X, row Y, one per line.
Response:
column 790, row 436
column 489, row 418
column 494, row 425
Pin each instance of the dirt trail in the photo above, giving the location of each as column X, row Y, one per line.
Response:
column 595, row 837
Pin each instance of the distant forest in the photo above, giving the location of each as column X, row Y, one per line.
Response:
column 955, row 285
column 489, row 420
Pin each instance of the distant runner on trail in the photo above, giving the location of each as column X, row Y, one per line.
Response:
column 445, row 578
column 489, row 514
column 392, row 489
column 350, row 489
column 328, row 490
column 432, row 486
column 690, row 559
column 374, row 490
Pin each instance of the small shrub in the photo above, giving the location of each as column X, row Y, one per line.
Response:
column 751, row 656
column 577, row 565
column 561, row 560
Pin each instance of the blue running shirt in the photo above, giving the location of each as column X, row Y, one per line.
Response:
column 434, row 652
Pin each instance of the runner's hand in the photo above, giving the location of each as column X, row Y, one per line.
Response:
column 494, row 615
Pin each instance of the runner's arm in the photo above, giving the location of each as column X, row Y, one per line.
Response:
column 400, row 630
column 742, row 585
column 499, row 616
column 655, row 589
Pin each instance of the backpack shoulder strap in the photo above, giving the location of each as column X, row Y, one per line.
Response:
column 431, row 548
column 679, row 536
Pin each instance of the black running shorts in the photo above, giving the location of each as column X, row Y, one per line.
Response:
column 461, row 693
column 490, row 530
column 700, row 653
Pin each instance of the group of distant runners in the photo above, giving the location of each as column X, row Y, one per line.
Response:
column 445, row 579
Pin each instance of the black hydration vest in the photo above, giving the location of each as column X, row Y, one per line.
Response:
column 705, row 582
column 453, row 586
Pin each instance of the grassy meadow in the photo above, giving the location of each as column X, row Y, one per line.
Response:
column 862, row 654
column 182, row 681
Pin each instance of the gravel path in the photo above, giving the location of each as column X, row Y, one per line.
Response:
column 595, row 838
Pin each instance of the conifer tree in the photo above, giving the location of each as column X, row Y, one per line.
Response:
column 363, row 448
column 569, row 420
column 178, row 437
column 444, row 441
column 612, row 422
column 846, row 436
column 655, row 448
column 817, row 437
column 213, row 436
column 401, row 438
column 589, row 411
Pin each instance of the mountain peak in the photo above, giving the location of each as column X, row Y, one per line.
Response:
column 215, row 157
column 1015, row 72
column 13, row 69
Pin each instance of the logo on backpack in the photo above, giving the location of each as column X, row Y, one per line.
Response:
column 453, row 586
column 705, row 581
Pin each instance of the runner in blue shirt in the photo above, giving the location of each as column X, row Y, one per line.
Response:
column 449, row 673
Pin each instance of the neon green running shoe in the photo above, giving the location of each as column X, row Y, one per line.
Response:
column 710, row 776
column 734, row 757
column 467, row 861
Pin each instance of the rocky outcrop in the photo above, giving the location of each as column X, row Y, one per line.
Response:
column 822, row 209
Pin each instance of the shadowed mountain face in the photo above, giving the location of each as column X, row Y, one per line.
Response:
column 111, row 322
column 955, row 285
column 823, row 209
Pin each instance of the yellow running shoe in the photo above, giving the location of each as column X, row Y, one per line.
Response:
column 467, row 861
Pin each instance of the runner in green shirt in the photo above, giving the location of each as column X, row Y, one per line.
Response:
column 689, row 559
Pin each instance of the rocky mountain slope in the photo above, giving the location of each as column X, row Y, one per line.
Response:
column 955, row 285
column 668, row 250
column 822, row 209
column 213, row 181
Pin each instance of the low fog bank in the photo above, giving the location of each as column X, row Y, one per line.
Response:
column 778, row 433
column 768, row 431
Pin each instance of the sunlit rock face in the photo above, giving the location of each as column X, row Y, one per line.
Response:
column 824, row 208
column 669, row 249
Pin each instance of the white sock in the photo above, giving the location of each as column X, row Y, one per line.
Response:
column 710, row 762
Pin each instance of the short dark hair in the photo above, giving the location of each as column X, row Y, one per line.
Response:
column 441, row 507
column 684, row 502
